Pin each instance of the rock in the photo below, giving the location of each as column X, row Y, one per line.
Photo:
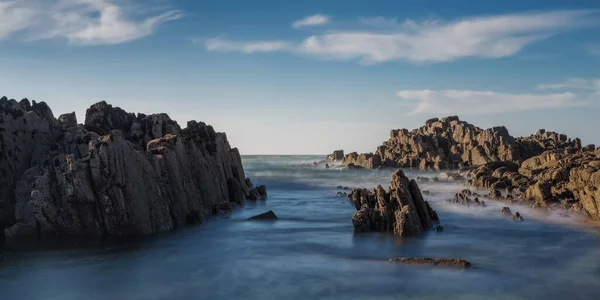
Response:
column 262, row 191
column 495, row 194
column 119, row 174
column 336, row 156
column 518, row 217
column 506, row 212
column 439, row 228
column 450, row 143
column 401, row 210
column 436, row 262
column 267, row 216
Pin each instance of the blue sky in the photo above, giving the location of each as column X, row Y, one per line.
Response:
column 308, row 77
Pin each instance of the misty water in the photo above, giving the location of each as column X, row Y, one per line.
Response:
column 313, row 253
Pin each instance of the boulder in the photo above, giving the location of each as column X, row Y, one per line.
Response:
column 267, row 216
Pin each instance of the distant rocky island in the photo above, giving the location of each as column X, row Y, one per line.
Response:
column 546, row 169
column 116, row 174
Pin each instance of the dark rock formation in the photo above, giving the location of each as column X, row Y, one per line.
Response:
column 267, row 216
column 449, row 143
column 436, row 262
column 336, row 156
column 118, row 174
column 401, row 210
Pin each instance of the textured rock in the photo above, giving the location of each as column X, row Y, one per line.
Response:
column 554, row 177
column 400, row 210
column 450, row 143
column 436, row 262
column 118, row 174
column 336, row 156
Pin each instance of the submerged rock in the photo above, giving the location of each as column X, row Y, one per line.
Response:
column 401, row 210
column 270, row 215
column 436, row 262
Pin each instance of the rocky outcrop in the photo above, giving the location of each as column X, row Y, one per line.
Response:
column 558, row 177
column 401, row 210
column 118, row 174
column 336, row 156
column 450, row 143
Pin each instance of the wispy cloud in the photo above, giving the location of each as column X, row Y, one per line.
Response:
column 81, row 22
column 578, row 92
column 218, row 44
column 432, row 41
column 573, row 83
column 313, row 20
column 594, row 49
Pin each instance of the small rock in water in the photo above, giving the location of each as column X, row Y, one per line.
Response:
column 506, row 212
column 442, row 262
column 439, row 228
column 346, row 188
column 517, row 217
column 340, row 187
column 270, row 215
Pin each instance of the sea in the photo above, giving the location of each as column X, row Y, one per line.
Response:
column 312, row 252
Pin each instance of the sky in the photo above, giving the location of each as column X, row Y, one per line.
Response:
column 312, row 76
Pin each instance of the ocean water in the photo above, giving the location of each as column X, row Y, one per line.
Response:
column 311, row 252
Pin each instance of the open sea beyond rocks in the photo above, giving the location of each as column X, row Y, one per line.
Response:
column 312, row 252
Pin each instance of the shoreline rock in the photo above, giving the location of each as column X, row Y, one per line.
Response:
column 116, row 174
column 401, row 210
column 450, row 143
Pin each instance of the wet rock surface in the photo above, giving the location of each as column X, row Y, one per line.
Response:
column 117, row 174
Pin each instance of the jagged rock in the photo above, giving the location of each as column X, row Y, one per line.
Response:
column 69, row 119
column 270, row 215
column 506, row 212
column 450, row 143
column 336, row 156
column 119, row 174
column 401, row 210
column 365, row 160
column 436, row 262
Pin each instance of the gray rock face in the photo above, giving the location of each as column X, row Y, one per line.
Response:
column 401, row 210
column 118, row 174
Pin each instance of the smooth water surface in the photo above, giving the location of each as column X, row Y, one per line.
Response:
column 313, row 253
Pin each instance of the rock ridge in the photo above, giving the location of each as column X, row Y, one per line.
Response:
column 116, row 174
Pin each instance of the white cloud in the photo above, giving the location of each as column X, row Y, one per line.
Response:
column 574, row 83
column 218, row 44
column 81, row 22
column 448, row 102
column 435, row 41
column 313, row 20
column 385, row 39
